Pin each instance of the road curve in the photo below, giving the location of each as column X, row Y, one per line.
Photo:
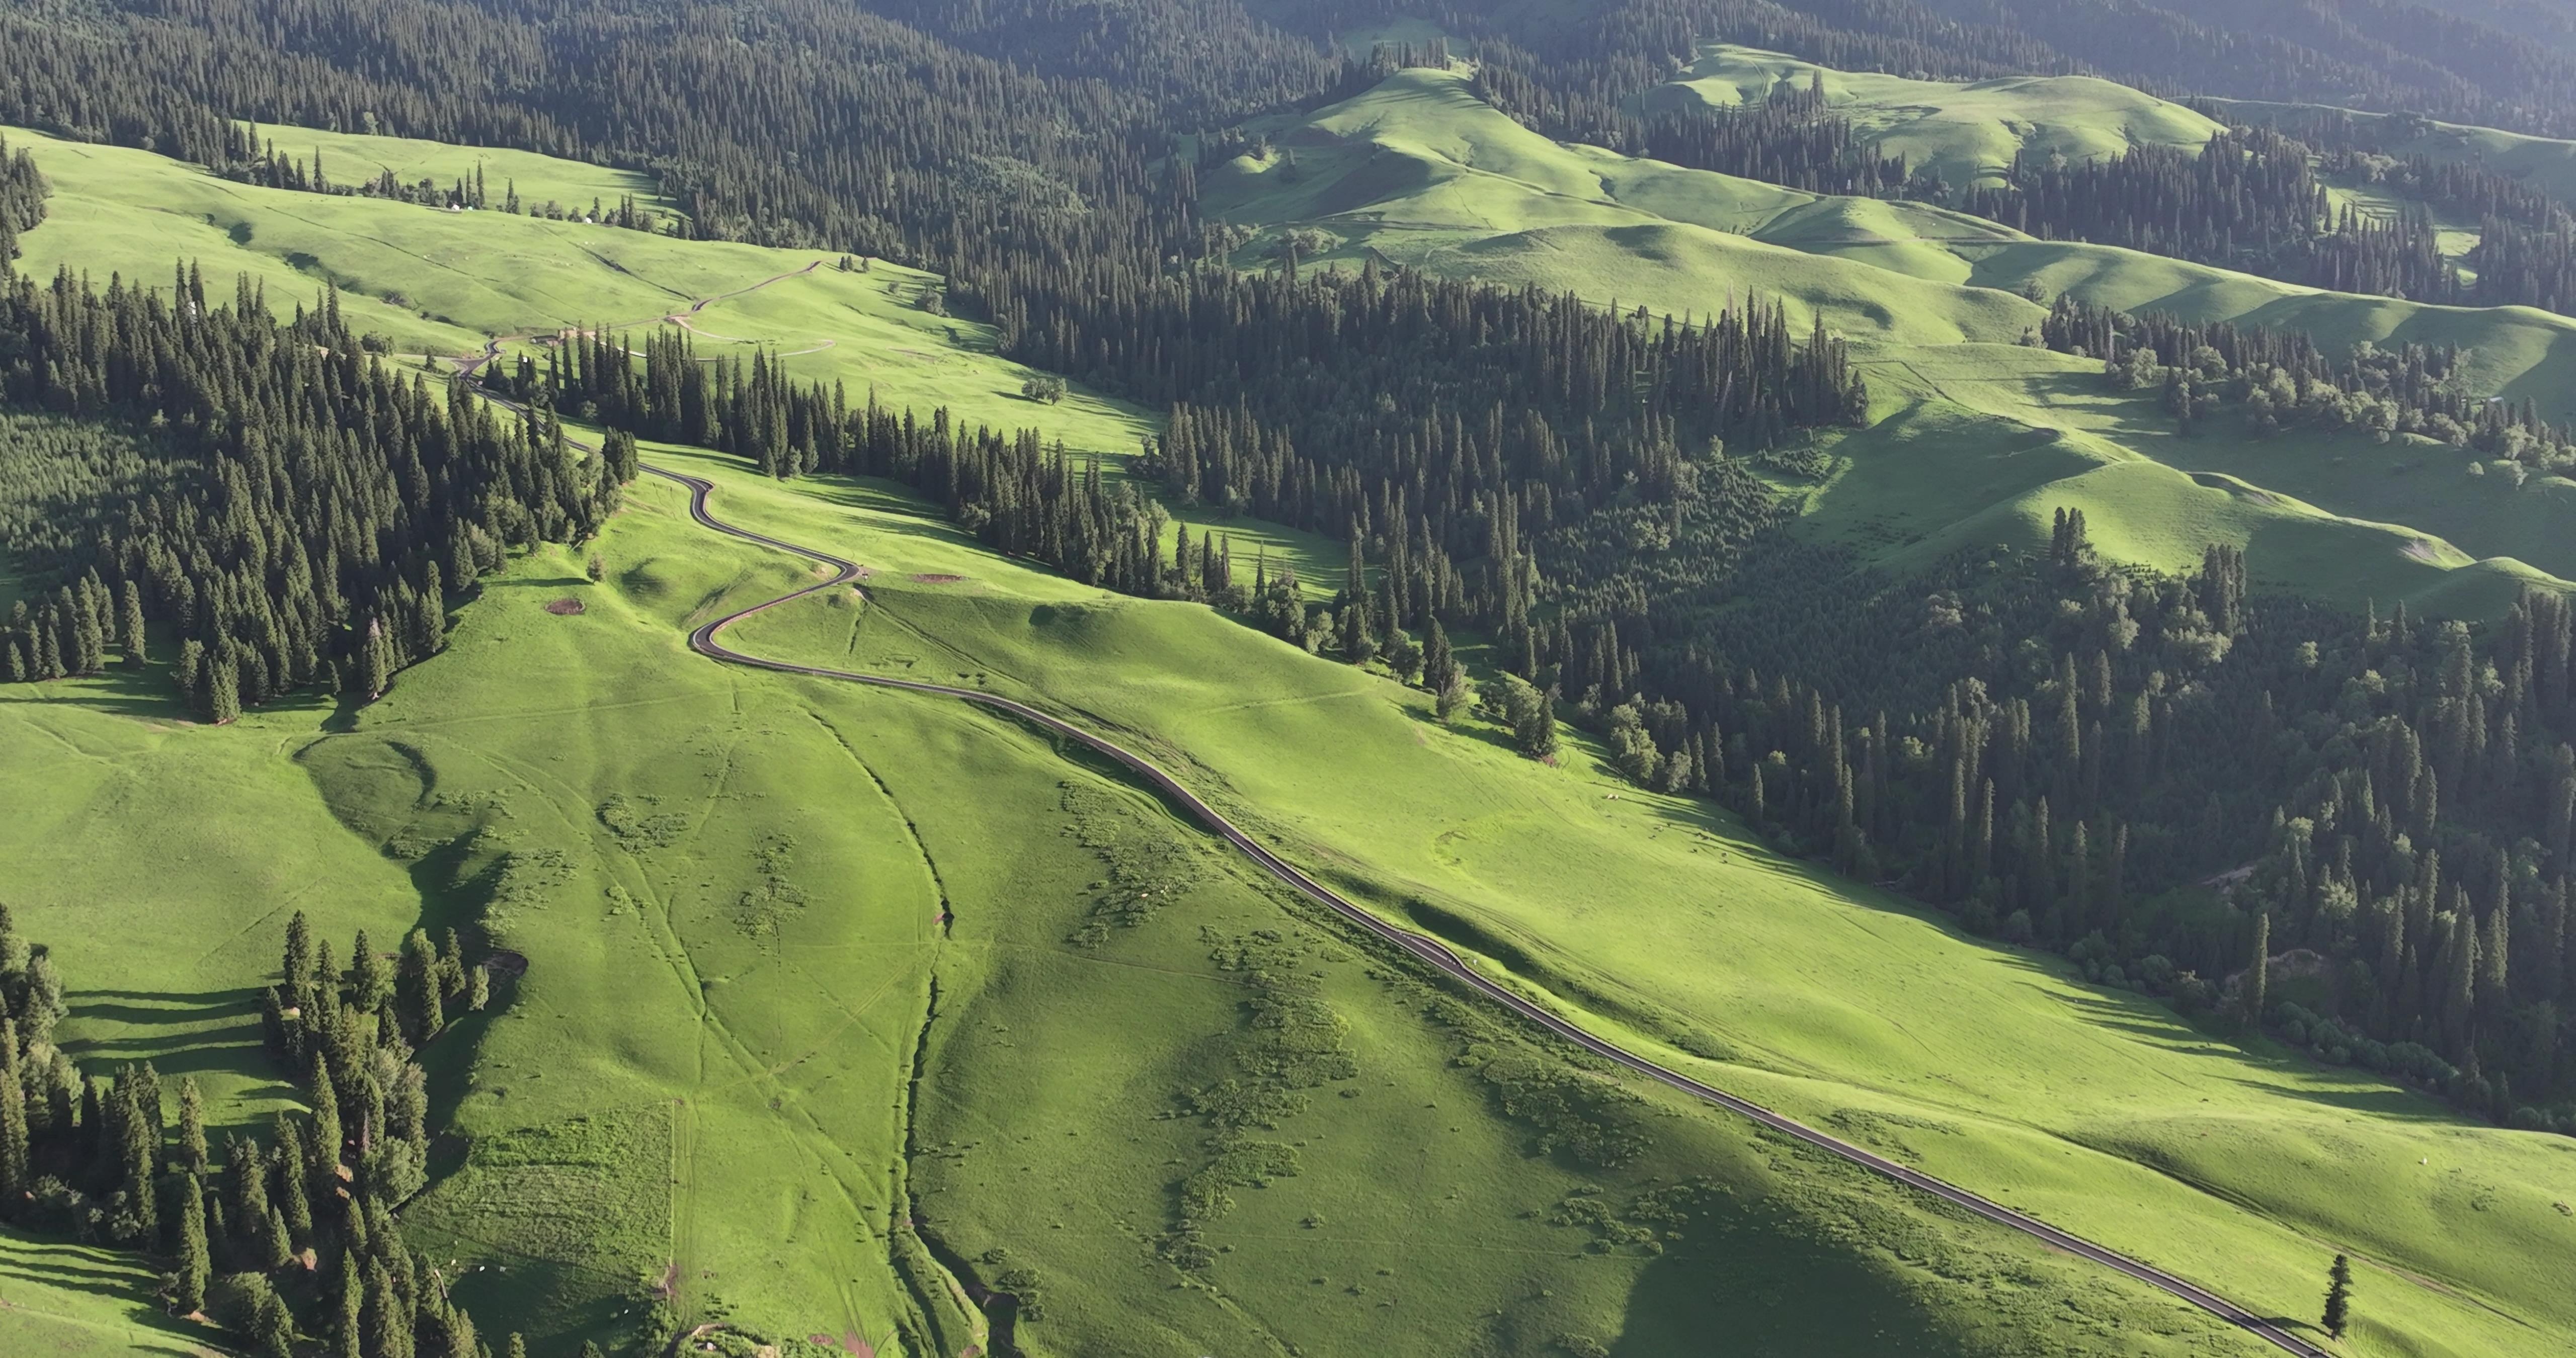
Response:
column 705, row 640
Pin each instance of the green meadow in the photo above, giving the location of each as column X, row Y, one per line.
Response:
column 847, row 1008
column 2090, row 1107
column 1421, row 172
column 435, row 282
column 840, row 1003
column 1968, row 133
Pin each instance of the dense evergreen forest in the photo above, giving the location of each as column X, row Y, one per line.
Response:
column 292, row 510
column 1440, row 426
column 2168, row 779
column 296, row 1234
column 1787, row 139
column 2278, row 379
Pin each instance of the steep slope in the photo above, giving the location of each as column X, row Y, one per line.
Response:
column 2086, row 1105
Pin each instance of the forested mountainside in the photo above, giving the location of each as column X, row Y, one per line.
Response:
column 1756, row 531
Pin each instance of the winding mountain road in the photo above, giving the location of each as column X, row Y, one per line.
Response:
column 707, row 641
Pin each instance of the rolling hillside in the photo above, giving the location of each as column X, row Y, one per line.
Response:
column 1421, row 172
column 1775, row 979
column 1966, row 132
column 797, row 956
column 730, row 972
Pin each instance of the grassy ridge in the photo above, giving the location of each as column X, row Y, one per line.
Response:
column 1421, row 171
column 2090, row 1107
column 1969, row 133
column 439, row 282
column 699, row 1103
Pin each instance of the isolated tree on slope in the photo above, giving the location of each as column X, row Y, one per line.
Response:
column 2338, row 1315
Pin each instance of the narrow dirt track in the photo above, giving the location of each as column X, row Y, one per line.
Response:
column 1437, row 955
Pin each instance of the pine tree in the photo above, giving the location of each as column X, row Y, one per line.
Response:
column 196, row 1266
column 417, row 987
column 388, row 1327
column 130, row 635
column 327, row 1133
column 192, row 1128
column 14, row 1140
column 297, row 964
column 219, row 698
column 368, row 982
column 2338, row 1315
column 348, row 1325
column 2258, row 970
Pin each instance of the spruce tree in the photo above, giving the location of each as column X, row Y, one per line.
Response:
column 2338, row 1316
column 417, row 983
column 368, row 982
column 327, row 1132
column 219, row 699
column 130, row 635
column 15, row 1149
column 196, row 1265
column 297, row 964
column 348, row 1323
column 192, row 1128
column 2258, row 970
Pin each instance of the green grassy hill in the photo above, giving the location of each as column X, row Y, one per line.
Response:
column 839, row 1002
column 2545, row 163
column 1422, row 172
column 2086, row 1105
column 800, row 957
column 443, row 283
column 842, row 1003
column 1969, row 133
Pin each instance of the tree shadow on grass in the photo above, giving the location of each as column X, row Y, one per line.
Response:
column 188, row 1034
column 1772, row 1285
column 146, row 694
column 112, row 1277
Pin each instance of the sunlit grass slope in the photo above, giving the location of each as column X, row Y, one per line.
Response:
column 1977, row 447
column 840, row 1002
column 440, row 282
column 1969, row 133
column 573, row 186
column 60, row 1301
column 2091, row 1107
column 1421, row 171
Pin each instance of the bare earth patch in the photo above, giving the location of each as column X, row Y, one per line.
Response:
column 564, row 608
column 936, row 579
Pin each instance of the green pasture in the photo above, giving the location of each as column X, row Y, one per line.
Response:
column 840, row 1002
column 1969, row 133
column 1420, row 171
column 2088, row 1106
column 752, row 1076
column 2545, row 163
column 443, row 283
column 541, row 180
